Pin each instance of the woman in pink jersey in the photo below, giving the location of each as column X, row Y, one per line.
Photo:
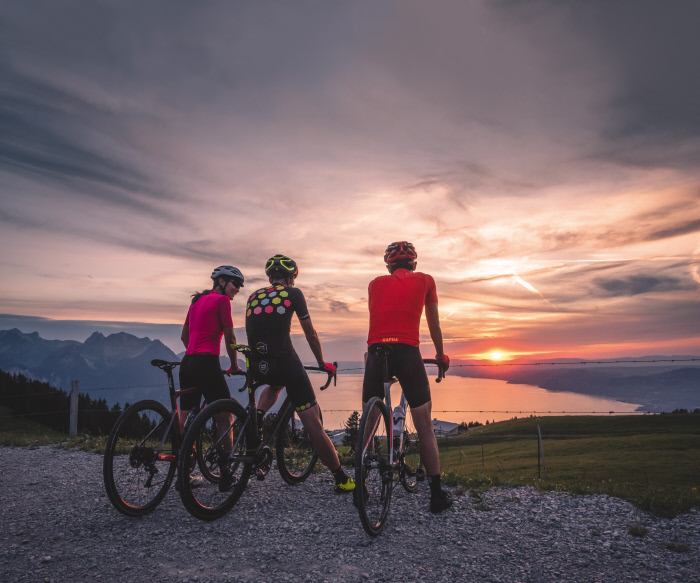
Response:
column 208, row 319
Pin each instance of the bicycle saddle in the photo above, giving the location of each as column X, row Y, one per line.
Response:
column 164, row 363
column 380, row 349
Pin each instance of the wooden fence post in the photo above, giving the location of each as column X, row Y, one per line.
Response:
column 540, row 449
column 73, row 431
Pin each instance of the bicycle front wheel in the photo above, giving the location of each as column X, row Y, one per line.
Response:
column 296, row 456
column 225, row 441
column 373, row 472
column 140, row 458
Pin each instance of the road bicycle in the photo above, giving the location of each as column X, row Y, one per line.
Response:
column 141, row 454
column 386, row 453
column 228, row 439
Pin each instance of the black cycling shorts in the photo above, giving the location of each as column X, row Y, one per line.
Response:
column 204, row 372
column 406, row 364
column 285, row 371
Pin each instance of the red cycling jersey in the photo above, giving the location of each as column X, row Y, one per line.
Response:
column 396, row 304
column 206, row 320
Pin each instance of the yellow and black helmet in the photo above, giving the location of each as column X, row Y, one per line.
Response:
column 281, row 265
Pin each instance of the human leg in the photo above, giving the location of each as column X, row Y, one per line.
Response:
column 268, row 397
column 439, row 499
column 422, row 419
column 323, row 445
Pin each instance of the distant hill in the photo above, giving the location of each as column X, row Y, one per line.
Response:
column 115, row 367
column 663, row 387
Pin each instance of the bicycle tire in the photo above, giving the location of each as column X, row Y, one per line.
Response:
column 410, row 461
column 373, row 474
column 137, row 472
column 296, row 456
column 205, row 499
column 210, row 474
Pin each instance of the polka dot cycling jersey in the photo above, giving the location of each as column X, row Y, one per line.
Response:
column 268, row 318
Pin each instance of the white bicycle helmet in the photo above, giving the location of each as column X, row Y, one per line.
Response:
column 228, row 271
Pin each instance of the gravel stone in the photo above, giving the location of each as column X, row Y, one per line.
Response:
column 57, row 525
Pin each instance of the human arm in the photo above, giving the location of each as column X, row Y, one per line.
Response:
column 230, row 338
column 312, row 339
column 185, row 336
column 433, row 318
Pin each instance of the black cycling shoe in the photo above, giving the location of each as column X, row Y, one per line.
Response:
column 440, row 503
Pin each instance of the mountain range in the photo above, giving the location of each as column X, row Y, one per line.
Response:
column 115, row 367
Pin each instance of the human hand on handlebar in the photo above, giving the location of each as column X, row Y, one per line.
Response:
column 231, row 370
column 444, row 360
column 328, row 367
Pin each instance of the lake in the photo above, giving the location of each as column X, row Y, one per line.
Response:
column 460, row 399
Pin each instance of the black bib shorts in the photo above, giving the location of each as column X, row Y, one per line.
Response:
column 406, row 364
column 204, row 372
column 285, row 371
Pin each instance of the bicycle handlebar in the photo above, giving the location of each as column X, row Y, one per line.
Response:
column 331, row 375
column 440, row 365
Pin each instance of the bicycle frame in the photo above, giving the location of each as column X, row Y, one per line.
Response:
column 251, row 416
column 175, row 394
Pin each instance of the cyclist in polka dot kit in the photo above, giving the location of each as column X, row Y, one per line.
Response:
column 268, row 324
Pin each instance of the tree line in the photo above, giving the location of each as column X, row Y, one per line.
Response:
column 50, row 406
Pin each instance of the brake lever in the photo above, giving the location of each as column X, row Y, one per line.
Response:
column 331, row 375
column 440, row 365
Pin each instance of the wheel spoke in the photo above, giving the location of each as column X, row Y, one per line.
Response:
column 138, row 440
column 373, row 472
column 210, row 479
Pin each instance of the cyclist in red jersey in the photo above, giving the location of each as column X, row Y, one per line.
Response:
column 208, row 319
column 395, row 307
column 268, row 322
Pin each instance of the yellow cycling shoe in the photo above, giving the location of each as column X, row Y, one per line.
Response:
column 345, row 487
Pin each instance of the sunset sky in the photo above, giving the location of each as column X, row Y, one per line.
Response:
column 543, row 157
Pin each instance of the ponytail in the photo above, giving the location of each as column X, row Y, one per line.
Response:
column 197, row 295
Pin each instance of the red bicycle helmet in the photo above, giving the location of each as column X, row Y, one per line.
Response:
column 400, row 252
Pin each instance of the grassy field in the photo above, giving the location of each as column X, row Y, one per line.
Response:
column 653, row 460
column 23, row 432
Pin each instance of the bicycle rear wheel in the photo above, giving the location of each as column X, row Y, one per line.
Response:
column 140, row 458
column 227, row 444
column 296, row 456
column 373, row 473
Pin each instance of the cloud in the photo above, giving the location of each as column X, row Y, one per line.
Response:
column 338, row 306
column 651, row 117
column 47, row 134
column 639, row 284
column 501, row 138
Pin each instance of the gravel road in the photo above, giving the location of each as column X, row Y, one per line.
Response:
column 58, row 525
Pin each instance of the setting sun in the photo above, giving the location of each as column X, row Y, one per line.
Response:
column 496, row 356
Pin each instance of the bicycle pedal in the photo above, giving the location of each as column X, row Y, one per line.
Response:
column 260, row 475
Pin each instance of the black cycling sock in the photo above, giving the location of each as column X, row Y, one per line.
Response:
column 340, row 476
column 261, row 414
column 435, row 488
